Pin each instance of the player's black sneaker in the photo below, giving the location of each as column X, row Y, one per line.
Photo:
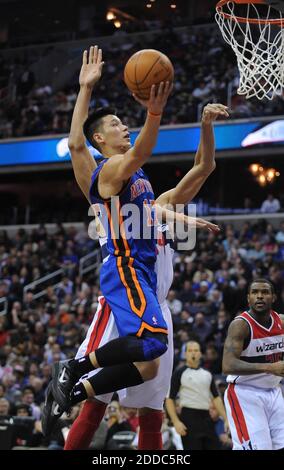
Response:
column 51, row 412
column 63, row 380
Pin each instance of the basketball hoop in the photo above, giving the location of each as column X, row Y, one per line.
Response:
column 254, row 30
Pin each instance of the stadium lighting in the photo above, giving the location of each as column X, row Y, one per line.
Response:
column 117, row 24
column 110, row 16
column 270, row 174
column 261, row 180
column 263, row 175
column 254, row 168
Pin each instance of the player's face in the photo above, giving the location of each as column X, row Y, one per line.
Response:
column 193, row 354
column 115, row 134
column 260, row 297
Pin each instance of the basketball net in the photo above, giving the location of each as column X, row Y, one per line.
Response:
column 258, row 42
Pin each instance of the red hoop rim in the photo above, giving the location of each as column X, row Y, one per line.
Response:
column 221, row 3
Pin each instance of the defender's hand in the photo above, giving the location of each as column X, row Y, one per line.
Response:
column 200, row 224
column 91, row 69
column 158, row 98
column 211, row 112
column 206, row 225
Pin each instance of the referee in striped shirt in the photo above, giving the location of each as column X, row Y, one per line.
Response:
column 196, row 388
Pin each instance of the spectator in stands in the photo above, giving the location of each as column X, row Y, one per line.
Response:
column 224, row 439
column 38, row 109
column 174, row 304
column 186, row 318
column 270, row 205
column 28, row 398
column 280, row 234
column 201, row 327
column 186, row 294
column 4, row 407
column 2, row 390
column 212, row 360
column 115, row 422
column 23, row 410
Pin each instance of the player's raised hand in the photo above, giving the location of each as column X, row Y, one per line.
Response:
column 158, row 98
column 92, row 65
column 213, row 111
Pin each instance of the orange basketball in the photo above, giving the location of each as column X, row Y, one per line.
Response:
column 146, row 68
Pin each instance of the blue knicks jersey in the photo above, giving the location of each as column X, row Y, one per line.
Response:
column 129, row 218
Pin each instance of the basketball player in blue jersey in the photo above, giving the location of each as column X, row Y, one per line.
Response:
column 127, row 279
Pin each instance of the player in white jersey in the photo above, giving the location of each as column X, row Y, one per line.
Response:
column 103, row 330
column 150, row 395
column 254, row 358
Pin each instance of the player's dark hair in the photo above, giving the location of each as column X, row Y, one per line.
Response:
column 93, row 124
column 262, row 281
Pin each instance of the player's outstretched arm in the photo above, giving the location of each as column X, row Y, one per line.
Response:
column 232, row 364
column 82, row 161
column 204, row 162
column 120, row 168
column 165, row 215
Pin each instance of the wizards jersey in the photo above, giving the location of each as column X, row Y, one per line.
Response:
column 266, row 345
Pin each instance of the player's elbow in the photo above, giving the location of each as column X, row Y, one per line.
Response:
column 225, row 371
column 76, row 145
column 207, row 168
column 212, row 166
column 226, row 367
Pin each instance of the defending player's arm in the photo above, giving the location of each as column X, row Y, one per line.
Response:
column 204, row 162
column 82, row 161
column 120, row 168
column 238, row 332
column 167, row 216
column 282, row 320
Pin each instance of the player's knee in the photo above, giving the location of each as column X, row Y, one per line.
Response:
column 155, row 345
